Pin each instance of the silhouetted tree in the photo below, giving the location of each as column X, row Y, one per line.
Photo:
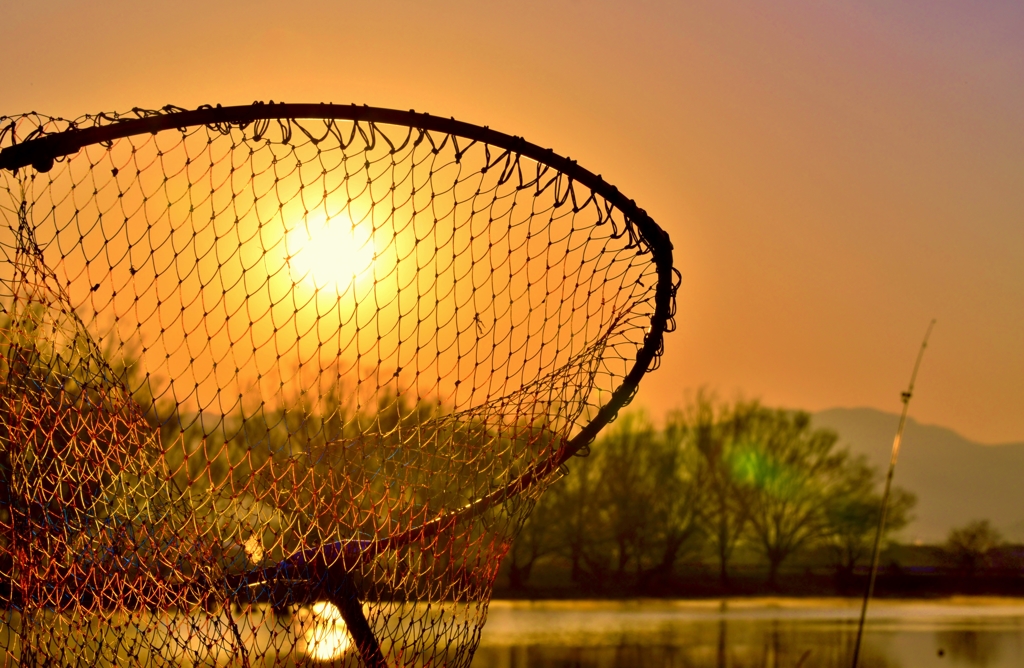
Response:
column 578, row 513
column 789, row 471
column 629, row 490
column 852, row 515
column 538, row 539
column 625, row 514
column 675, row 471
column 715, row 430
column 969, row 546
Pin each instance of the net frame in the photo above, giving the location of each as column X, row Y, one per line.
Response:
column 327, row 567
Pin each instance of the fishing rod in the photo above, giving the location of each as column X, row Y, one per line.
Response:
column 905, row 397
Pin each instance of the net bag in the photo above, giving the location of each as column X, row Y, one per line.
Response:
column 280, row 383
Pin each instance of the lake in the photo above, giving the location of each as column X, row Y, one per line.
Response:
column 747, row 633
column 737, row 633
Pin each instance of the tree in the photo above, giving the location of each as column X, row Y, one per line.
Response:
column 675, row 473
column 652, row 497
column 790, row 471
column 714, row 431
column 539, row 537
column 970, row 545
column 852, row 515
column 576, row 509
column 629, row 490
column 624, row 514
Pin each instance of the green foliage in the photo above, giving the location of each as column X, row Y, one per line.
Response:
column 714, row 478
column 717, row 433
column 852, row 514
column 789, row 472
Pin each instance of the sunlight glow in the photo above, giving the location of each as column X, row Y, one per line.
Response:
column 330, row 253
column 328, row 638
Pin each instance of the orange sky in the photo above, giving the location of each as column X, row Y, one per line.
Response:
column 833, row 174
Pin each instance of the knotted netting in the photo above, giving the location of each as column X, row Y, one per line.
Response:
column 280, row 383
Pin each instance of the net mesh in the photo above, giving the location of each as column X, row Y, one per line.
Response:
column 283, row 391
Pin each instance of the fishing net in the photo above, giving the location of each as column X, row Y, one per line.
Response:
column 280, row 383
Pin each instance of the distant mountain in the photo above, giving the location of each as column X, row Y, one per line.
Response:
column 956, row 480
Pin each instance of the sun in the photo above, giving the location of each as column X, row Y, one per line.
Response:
column 329, row 253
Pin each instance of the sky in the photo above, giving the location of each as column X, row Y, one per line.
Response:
column 833, row 175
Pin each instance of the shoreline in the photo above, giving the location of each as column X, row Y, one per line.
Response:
column 761, row 602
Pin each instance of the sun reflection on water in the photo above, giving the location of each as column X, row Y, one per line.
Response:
column 327, row 636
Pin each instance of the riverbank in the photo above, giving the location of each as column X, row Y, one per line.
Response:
column 892, row 582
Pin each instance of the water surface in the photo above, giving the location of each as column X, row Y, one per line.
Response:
column 741, row 633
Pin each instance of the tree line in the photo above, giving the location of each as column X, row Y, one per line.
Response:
column 715, row 477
